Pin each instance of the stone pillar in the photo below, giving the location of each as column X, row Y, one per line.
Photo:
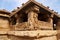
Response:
column 32, row 16
column 58, row 28
column 17, row 22
column 17, row 19
column 58, row 24
column 51, row 19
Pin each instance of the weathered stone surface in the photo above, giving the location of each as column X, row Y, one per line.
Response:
column 21, row 26
column 27, row 38
column 3, row 37
column 28, row 35
column 45, row 25
column 3, row 32
column 48, row 38
column 4, row 24
column 58, row 34
column 32, row 21
column 58, row 25
column 33, row 33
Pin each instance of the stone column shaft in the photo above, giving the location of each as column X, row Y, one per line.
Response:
column 32, row 16
column 51, row 19
column 31, row 19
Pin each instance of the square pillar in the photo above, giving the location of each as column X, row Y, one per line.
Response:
column 32, row 16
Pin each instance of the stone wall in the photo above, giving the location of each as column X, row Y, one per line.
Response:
column 28, row 35
column 3, row 37
column 45, row 25
column 4, row 24
column 58, row 35
column 37, row 26
column 26, row 38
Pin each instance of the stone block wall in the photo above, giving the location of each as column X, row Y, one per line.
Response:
column 58, row 34
column 4, row 24
column 5, row 37
column 28, row 35
column 45, row 25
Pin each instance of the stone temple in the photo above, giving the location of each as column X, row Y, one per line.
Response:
column 32, row 21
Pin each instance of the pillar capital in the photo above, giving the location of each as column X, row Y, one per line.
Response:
column 52, row 15
column 33, row 8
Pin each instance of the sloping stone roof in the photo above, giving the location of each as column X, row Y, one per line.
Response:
column 36, row 3
column 39, row 4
